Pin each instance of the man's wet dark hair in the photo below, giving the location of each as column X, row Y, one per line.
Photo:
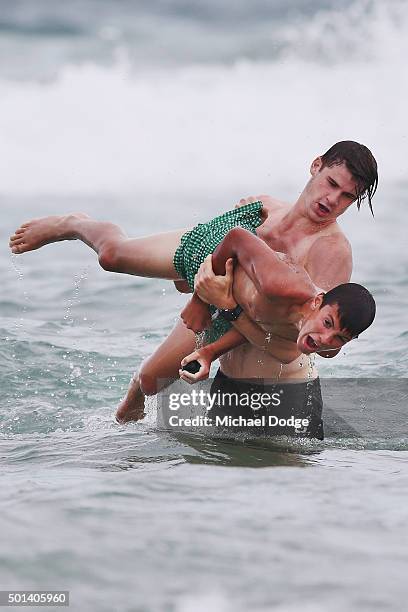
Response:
column 360, row 162
column 356, row 306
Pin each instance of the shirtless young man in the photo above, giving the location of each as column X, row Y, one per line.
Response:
column 306, row 231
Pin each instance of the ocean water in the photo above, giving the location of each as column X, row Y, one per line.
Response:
column 157, row 115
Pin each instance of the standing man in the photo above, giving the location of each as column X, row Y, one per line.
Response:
column 306, row 231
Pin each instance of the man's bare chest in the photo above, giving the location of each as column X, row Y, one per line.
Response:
column 294, row 246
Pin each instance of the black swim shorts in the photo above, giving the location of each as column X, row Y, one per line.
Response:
column 283, row 408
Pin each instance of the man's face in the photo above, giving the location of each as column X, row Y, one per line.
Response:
column 321, row 330
column 329, row 192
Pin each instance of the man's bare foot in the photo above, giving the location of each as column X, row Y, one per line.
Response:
column 38, row 232
column 131, row 408
column 130, row 411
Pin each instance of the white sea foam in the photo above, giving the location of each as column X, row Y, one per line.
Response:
column 120, row 130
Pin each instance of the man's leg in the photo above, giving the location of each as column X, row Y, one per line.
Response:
column 150, row 256
column 156, row 372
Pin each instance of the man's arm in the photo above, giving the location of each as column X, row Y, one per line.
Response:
column 208, row 353
column 218, row 291
column 196, row 314
column 272, row 276
column 248, row 331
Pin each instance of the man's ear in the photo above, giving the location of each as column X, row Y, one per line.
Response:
column 317, row 302
column 316, row 166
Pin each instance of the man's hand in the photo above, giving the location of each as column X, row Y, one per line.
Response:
column 249, row 200
column 204, row 359
column 213, row 289
column 196, row 315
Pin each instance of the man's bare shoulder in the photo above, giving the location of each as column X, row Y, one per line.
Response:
column 330, row 260
column 334, row 240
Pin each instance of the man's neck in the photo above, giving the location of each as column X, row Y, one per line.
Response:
column 296, row 222
column 299, row 312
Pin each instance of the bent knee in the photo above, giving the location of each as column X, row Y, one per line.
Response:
column 147, row 381
column 109, row 257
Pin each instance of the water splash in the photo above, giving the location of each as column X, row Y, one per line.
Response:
column 19, row 324
column 74, row 300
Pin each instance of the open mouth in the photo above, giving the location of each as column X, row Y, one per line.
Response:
column 323, row 209
column 310, row 343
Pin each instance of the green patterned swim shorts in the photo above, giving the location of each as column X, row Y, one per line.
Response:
column 203, row 239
